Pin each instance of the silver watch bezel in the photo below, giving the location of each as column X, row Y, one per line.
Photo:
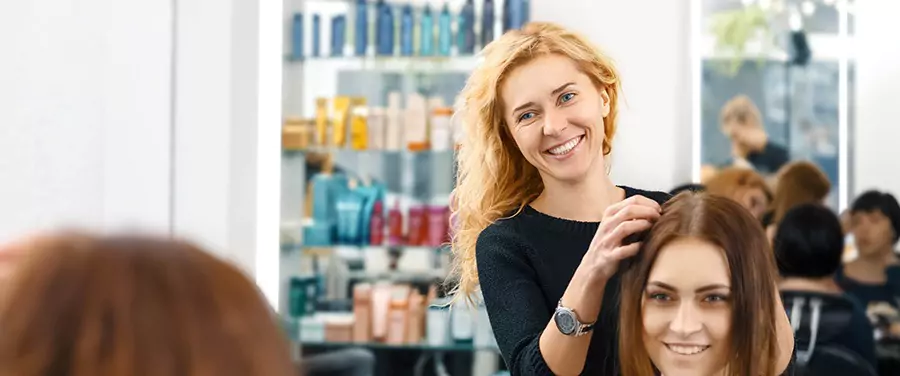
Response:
column 579, row 328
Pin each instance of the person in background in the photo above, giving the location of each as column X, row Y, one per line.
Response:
column 743, row 185
column 808, row 248
column 689, row 187
column 874, row 277
column 540, row 227
column 750, row 144
column 798, row 183
column 127, row 305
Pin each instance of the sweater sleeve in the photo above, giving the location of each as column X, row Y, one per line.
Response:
column 514, row 301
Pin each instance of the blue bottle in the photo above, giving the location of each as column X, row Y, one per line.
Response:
column 361, row 30
column 316, row 34
column 487, row 23
column 297, row 37
column 465, row 29
column 515, row 14
column 445, row 32
column 406, row 31
column 386, row 29
column 505, row 16
column 426, row 42
column 338, row 35
column 526, row 11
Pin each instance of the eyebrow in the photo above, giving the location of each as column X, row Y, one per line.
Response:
column 714, row 286
column 554, row 92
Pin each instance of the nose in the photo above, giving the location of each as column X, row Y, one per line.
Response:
column 554, row 122
column 686, row 321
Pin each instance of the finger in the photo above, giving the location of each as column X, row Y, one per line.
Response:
column 625, row 251
column 630, row 213
column 614, row 238
column 633, row 200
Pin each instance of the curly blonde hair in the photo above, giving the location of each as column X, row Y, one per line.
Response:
column 494, row 179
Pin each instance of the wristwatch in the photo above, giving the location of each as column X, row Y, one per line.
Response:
column 568, row 323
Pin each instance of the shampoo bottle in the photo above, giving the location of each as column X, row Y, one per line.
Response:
column 316, row 35
column 361, row 30
column 466, row 29
column 445, row 31
column 297, row 37
column 406, row 31
column 426, row 38
column 487, row 23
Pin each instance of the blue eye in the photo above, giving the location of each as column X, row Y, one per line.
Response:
column 567, row 97
column 526, row 116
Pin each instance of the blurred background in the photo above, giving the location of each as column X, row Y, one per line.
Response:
column 311, row 142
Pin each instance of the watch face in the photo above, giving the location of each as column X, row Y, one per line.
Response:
column 565, row 321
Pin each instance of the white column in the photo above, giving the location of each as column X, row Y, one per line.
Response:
column 227, row 132
column 876, row 145
column 650, row 43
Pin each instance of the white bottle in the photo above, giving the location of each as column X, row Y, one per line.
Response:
column 394, row 129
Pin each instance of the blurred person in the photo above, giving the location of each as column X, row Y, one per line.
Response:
column 874, row 276
column 750, row 144
column 700, row 299
column 809, row 245
column 798, row 183
column 124, row 305
column 743, row 185
column 689, row 187
column 539, row 225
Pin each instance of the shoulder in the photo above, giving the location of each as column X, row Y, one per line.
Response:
column 502, row 236
column 660, row 197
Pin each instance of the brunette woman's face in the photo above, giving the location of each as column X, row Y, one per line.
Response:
column 555, row 114
column 687, row 309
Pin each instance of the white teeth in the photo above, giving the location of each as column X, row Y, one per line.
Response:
column 565, row 148
column 687, row 350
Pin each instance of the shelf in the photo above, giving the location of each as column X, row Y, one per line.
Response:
column 328, row 250
column 389, row 63
column 329, row 150
column 452, row 347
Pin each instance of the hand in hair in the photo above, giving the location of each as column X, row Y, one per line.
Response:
column 617, row 236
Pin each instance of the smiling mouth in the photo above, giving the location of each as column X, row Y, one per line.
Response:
column 687, row 349
column 566, row 147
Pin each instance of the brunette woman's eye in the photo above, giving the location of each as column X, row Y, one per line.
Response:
column 716, row 298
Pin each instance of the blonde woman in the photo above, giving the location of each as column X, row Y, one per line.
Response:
column 540, row 226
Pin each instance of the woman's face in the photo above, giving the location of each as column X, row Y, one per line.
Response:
column 872, row 232
column 687, row 309
column 753, row 199
column 555, row 114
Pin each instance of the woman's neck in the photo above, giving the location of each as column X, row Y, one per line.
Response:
column 877, row 260
column 584, row 201
column 823, row 285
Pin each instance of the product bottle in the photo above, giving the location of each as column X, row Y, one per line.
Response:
column 406, row 31
column 361, row 31
column 385, row 29
column 395, row 224
column 445, row 31
column 376, row 230
column 466, row 29
column 338, row 36
column 487, row 23
column 426, row 47
column 316, row 32
column 297, row 37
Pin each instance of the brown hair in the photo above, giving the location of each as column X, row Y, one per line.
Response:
column 799, row 183
column 87, row 306
column 741, row 109
column 729, row 181
column 724, row 223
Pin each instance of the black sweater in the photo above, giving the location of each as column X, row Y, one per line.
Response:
column 525, row 264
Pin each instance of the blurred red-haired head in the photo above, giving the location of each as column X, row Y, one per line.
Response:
column 109, row 306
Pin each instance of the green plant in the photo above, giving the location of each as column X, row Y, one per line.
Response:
column 733, row 29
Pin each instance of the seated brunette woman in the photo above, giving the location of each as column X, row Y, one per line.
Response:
column 700, row 298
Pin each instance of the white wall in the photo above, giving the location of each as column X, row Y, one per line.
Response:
column 84, row 98
column 650, row 43
column 877, row 134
